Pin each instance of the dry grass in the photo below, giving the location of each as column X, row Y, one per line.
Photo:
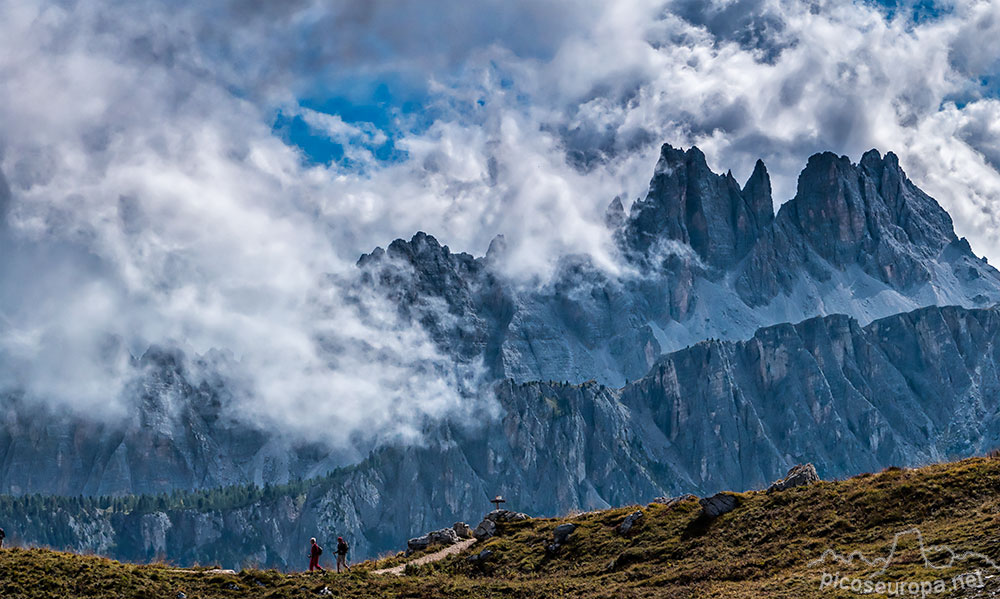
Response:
column 762, row 549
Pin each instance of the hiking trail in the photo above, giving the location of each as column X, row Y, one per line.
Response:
column 432, row 557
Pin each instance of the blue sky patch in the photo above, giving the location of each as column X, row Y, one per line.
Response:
column 380, row 111
column 918, row 10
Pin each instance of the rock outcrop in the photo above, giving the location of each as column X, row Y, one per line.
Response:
column 488, row 527
column 560, row 536
column 485, row 530
column 445, row 536
column 718, row 504
column 502, row 515
column 799, row 476
column 629, row 522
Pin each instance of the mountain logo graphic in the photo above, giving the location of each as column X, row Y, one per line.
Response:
column 954, row 558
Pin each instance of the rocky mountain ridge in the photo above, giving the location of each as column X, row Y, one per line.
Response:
column 714, row 261
column 182, row 432
column 908, row 389
column 725, row 394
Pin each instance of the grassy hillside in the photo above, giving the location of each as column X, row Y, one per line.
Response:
column 761, row 549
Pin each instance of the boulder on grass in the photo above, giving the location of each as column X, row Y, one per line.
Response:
column 798, row 476
column 718, row 504
column 486, row 529
column 480, row 557
column 562, row 532
column 506, row 516
column 629, row 522
column 560, row 536
column 418, row 544
column 445, row 536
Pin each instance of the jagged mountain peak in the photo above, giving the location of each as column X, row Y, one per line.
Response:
column 869, row 214
column 420, row 243
column 757, row 193
column 614, row 214
column 497, row 248
column 689, row 203
column 713, row 261
column 424, row 254
column 870, row 197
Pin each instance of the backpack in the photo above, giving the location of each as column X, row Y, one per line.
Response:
column 342, row 547
column 320, row 552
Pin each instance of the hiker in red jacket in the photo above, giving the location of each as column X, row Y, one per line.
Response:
column 314, row 552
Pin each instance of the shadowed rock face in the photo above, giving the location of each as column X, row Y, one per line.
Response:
column 908, row 389
column 869, row 215
column 690, row 204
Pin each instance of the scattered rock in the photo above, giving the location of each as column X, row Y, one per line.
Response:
column 562, row 532
column 181, row 595
column 672, row 501
column 480, row 557
column 486, row 529
column 445, row 536
column 418, row 544
column 718, row 504
column 629, row 522
column 325, row 591
column 463, row 530
column 798, row 476
column 560, row 536
column 506, row 516
column 232, row 586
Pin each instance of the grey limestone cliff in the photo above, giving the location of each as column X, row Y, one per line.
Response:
column 904, row 390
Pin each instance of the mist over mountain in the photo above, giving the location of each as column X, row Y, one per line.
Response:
column 724, row 393
column 702, row 257
column 908, row 389
column 278, row 270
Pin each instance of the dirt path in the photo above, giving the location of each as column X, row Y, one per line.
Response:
column 212, row 571
column 433, row 557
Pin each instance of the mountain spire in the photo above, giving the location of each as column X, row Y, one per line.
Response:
column 687, row 202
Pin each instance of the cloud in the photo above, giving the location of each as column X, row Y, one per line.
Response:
column 149, row 198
